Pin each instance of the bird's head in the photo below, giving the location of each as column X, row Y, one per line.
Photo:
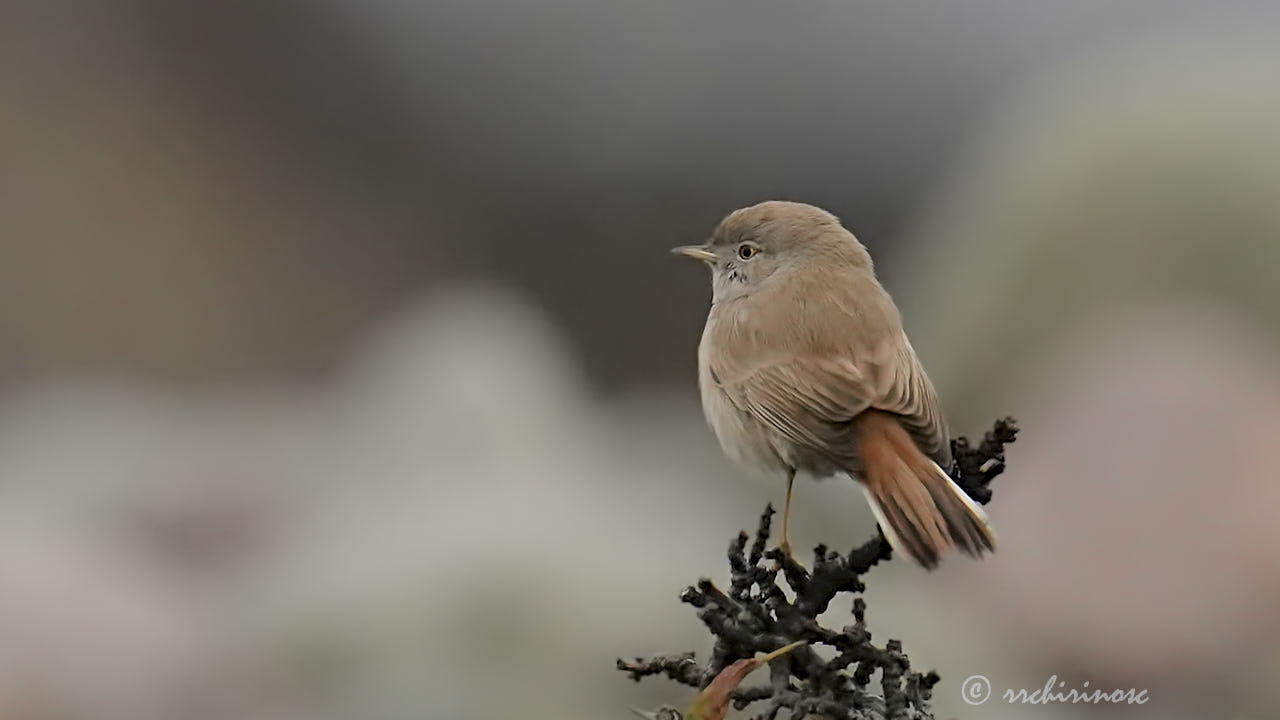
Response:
column 755, row 243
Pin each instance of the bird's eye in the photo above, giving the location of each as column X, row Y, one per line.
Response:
column 746, row 251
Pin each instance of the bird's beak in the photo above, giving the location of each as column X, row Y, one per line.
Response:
column 645, row 714
column 697, row 252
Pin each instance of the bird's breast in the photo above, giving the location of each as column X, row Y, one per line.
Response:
column 743, row 438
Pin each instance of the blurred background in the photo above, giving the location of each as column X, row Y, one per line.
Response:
column 344, row 371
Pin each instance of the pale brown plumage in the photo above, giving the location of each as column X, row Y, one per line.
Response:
column 804, row 365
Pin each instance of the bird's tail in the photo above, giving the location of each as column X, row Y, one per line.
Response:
column 921, row 510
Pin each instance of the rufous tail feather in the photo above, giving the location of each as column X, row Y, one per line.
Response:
column 921, row 510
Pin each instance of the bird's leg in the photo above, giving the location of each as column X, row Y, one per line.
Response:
column 786, row 515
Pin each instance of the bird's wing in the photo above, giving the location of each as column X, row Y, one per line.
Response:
column 905, row 390
column 812, row 399
column 808, row 400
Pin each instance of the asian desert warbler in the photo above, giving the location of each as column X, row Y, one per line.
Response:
column 804, row 366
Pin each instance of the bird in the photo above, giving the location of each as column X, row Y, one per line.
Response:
column 713, row 702
column 804, row 366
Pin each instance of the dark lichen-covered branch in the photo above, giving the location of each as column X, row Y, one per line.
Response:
column 755, row 615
